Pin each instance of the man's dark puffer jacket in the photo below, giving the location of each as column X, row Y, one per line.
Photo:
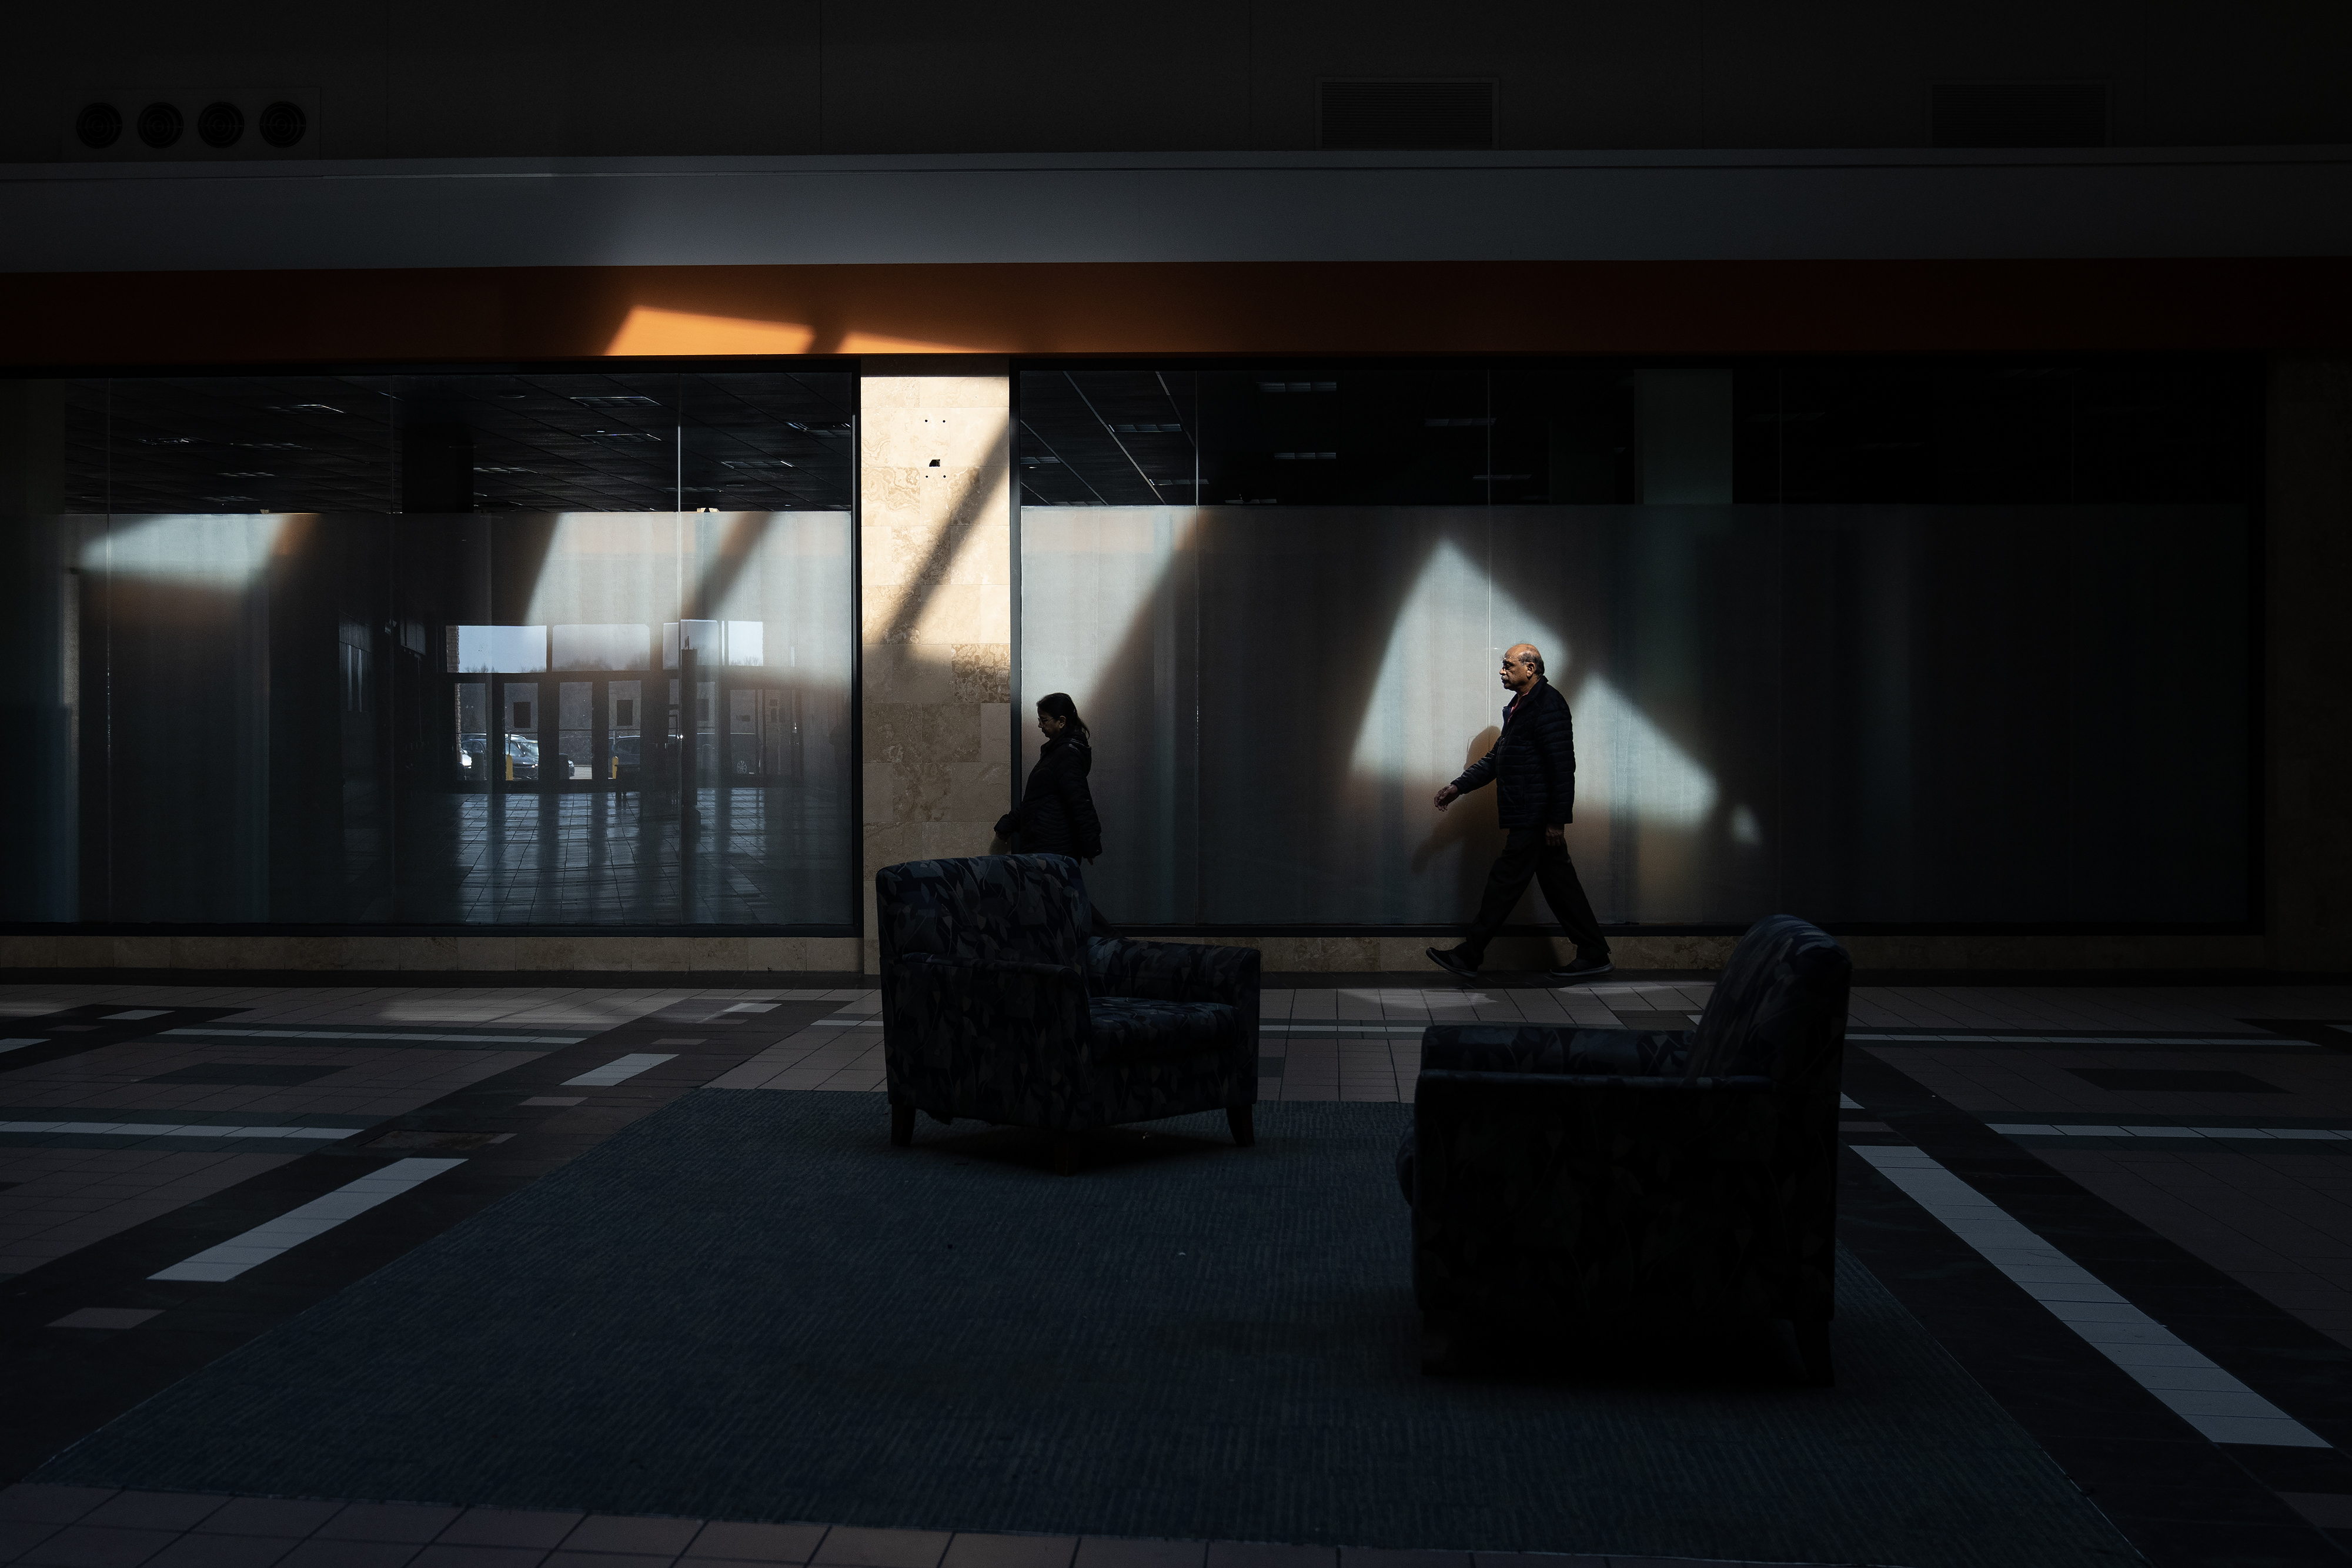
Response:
column 1534, row 764
column 1057, row 814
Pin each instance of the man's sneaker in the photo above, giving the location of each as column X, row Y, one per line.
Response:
column 1451, row 960
column 1582, row 969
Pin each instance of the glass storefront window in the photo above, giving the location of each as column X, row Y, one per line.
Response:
column 1878, row 641
column 374, row 650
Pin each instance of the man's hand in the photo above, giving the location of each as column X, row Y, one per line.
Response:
column 1556, row 834
column 1446, row 797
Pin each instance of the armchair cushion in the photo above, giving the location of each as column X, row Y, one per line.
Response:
column 1132, row 1028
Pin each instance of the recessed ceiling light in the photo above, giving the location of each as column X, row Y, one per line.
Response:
column 499, row 468
column 246, row 474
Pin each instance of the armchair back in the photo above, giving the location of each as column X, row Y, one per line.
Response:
column 1778, row 1012
column 1625, row 1174
column 1025, row 908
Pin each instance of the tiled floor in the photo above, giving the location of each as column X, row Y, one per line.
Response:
column 74, row 1527
column 58, row 1200
column 2281, row 1224
column 2170, row 1175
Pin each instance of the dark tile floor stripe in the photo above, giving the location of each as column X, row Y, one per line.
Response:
column 2161, row 1481
column 2318, row 1031
column 75, row 1031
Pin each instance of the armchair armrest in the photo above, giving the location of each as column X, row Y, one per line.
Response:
column 1182, row 972
column 1172, row 972
column 1548, row 1049
column 1568, row 1081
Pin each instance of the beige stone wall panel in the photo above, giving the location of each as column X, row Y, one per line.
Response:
column 981, row 674
column 937, row 613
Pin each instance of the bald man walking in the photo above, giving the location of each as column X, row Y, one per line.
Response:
column 1533, row 766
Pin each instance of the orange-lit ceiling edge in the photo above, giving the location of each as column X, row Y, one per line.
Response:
column 1296, row 253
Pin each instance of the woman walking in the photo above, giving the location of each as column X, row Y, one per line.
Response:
column 1057, row 814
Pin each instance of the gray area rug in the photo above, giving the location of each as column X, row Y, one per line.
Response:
column 749, row 1306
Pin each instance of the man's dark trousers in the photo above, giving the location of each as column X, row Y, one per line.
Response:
column 1526, row 858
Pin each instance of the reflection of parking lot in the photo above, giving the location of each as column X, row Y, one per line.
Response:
column 591, row 855
column 522, row 756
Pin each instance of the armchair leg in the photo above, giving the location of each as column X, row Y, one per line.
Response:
column 902, row 1125
column 1814, row 1349
column 1237, row 1118
column 1066, row 1154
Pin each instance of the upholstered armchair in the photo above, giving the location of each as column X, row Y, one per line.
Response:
column 997, row 1005
column 1596, row 1176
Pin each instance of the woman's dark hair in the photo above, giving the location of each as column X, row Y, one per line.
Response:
column 1057, row 705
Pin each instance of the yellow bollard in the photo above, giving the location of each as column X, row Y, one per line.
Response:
column 510, row 767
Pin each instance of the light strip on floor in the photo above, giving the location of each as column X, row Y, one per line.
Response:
column 316, row 1218
column 2198, row 1390
column 19, row 1044
column 2036, row 1130
column 379, row 1034
column 168, row 1130
column 618, row 1070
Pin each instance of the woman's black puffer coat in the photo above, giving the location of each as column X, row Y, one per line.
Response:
column 1057, row 814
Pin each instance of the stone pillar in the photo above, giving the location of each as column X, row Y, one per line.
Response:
column 935, row 570
column 2307, row 744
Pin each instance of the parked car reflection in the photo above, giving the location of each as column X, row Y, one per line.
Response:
column 522, row 756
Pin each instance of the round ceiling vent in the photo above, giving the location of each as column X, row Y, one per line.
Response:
column 221, row 124
column 98, row 125
column 283, row 124
column 159, row 125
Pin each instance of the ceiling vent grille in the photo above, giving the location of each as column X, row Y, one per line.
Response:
column 1403, row 116
column 2021, row 114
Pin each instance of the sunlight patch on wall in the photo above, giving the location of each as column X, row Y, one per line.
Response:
column 1438, row 684
column 205, row 548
